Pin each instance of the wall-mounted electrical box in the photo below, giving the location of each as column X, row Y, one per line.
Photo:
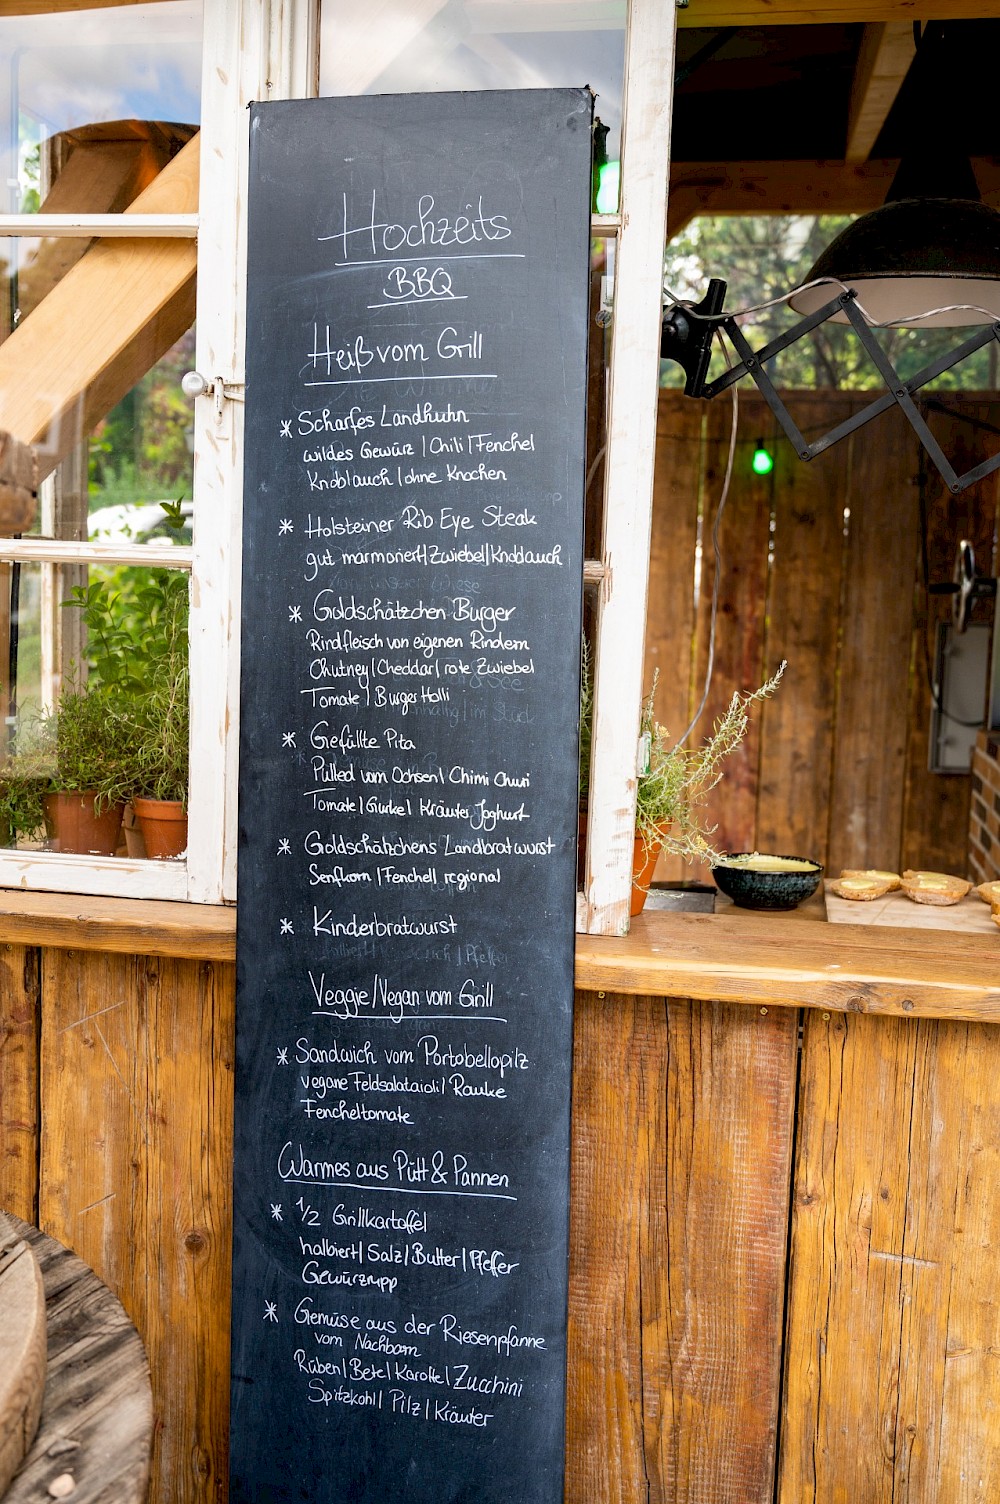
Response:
column 961, row 671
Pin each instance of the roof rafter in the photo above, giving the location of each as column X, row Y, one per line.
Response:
column 884, row 58
column 795, row 187
column 820, row 12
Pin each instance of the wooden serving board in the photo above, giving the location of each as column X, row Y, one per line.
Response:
column 969, row 917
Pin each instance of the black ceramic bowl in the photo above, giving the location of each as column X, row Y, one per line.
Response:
column 767, row 890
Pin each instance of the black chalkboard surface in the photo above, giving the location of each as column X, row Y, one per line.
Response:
column 416, row 370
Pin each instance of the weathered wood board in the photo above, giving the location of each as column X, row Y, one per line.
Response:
column 96, row 1425
column 136, row 1087
column 682, row 1152
column 969, row 917
column 22, row 1349
column 822, row 565
column 681, row 1185
column 19, row 1094
column 891, row 1380
column 873, row 685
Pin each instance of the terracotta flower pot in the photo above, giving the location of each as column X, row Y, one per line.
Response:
column 644, row 860
column 73, row 826
column 164, row 826
column 135, row 846
column 643, row 866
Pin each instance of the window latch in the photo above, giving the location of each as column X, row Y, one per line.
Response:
column 194, row 384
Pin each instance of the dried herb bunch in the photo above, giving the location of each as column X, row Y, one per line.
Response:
column 672, row 792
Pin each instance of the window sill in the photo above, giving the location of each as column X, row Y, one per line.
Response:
column 136, row 926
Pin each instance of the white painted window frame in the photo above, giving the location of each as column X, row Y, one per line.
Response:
column 251, row 49
column 633, row 389
column 269, row 49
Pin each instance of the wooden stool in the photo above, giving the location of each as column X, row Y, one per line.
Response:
column 96, row 1427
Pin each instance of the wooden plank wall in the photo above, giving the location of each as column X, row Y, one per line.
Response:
column 822, row 566
column 783, row 1260
column 115, row 1138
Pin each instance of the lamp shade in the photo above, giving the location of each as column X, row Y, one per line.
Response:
column 912, row 255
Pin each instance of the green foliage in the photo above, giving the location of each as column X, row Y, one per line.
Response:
column 762, row 257
column 671, row 794
column 125, row 731
column 139, row 452
column 137, row 645
column 24, row 781
column 30, row 177
column 86, row 746
column 93, row 738
column 674, row 790
column 136, row 623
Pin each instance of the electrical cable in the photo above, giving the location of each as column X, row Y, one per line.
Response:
column 990, row 315
column 593, row 469
column 761, row 308
column 718, row 554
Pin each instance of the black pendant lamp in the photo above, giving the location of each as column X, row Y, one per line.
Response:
column 932, row 244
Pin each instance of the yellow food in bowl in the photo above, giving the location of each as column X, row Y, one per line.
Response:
column 758, row 861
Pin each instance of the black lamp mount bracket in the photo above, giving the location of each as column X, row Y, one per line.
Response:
column 687, row 334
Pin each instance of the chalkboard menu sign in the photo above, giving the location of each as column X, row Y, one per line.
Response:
column 416, row 372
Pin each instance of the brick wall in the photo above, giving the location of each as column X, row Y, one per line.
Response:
column 984, row 819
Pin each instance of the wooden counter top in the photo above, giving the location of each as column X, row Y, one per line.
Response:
column 784, row 960
column 788, row 961
column 134, row 926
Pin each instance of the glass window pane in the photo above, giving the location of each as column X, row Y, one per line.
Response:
column 69, row 69
column 140, row 462
column 421, row 46
column 92, row 105
column 111, row 717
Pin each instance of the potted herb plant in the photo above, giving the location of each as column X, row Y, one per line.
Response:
column 159, row 778
column 137, row 640
column 89, row 741
column 672, row 791
column 24, row 778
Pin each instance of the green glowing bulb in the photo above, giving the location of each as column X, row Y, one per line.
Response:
column 607, row 191
column 762, row 462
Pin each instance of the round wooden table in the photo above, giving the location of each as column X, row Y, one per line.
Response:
column 93, row 1440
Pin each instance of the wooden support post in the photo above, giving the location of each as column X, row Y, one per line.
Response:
column 635, row 363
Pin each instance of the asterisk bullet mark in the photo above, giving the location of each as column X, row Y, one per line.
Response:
column 270, row 1311
column 286, row 927
column 284, row 847
column 276, row 1210
column 288, row 739
column 285, row 526
column 286, row 428
column 282, row 1057
column 295, row 613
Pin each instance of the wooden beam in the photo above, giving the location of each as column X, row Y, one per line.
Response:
column 98, row 177
column 53, row 7
column 102, row 327
column 803, row 13
column 884, row 57
column 697, row 13
column 806, row 187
